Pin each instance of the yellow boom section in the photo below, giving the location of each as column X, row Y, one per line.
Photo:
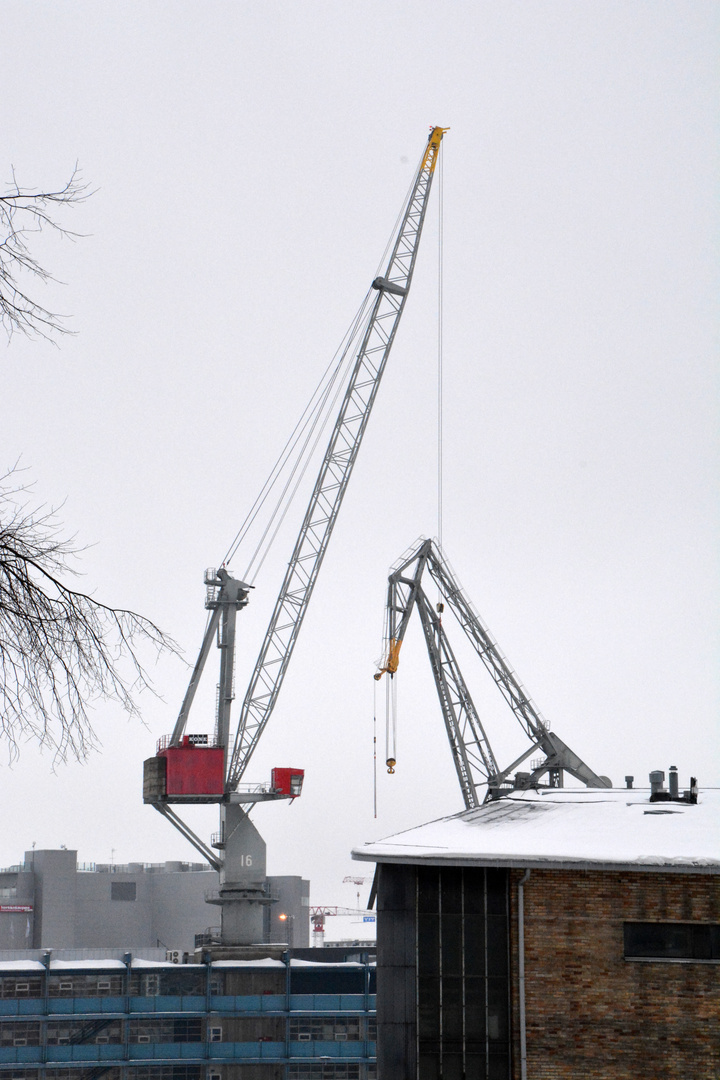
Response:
column 393, row 658
column 432, row 148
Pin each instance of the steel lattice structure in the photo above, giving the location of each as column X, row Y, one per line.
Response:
column 331, row 484
column 473, row 757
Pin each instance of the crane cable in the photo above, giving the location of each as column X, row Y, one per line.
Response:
column 317, row 428
column 374, row 748
column 313, row 416
column 440, row 367
column 390, row 723
column 391, row 684
column 307, row 432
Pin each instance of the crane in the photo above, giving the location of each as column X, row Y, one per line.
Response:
column 319, row 913
column 193, row 769
column 473, row 757
column 357, row 880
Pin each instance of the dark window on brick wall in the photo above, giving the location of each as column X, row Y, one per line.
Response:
column 672, row 941
column 123, row 890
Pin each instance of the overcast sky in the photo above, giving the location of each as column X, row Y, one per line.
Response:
column 249, row 161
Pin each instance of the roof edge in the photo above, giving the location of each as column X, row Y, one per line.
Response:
column 542, row 864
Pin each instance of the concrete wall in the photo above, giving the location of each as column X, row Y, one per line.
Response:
column 99, row 919
column 17, row 887
column 179, row 910
column 590, row 1012
column 292, row 898
column 54, row 874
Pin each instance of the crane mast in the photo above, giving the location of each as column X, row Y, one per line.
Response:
column 241, row 861
column 473, row 757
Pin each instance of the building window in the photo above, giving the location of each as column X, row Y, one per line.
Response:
column 168, row 1030
column 672, row 941
column 123, row 890
column 325, row 1028
column 77, row 1072
column 322, row 1071
column 443, row 971
column 164, row 1072
column 22, row 987
column 91, row 985
column 20, row 1033
column 79, row 1030
column 463, row 971
column 174, row 981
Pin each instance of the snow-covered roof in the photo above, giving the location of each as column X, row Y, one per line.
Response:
column 323, row 964
column 26, row 966
column 264, row 962
column 573, row 828
column 138, row 963
column 86, row 965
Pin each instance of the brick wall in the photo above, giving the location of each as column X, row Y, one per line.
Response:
column 591, row 1013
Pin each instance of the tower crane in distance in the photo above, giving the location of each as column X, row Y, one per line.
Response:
column 473, row 757
column 320, row 912
column 195, row 769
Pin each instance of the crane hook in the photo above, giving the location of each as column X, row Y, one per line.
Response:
column 390, row 764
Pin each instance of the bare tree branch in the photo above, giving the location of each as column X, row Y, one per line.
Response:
column 60, row 649
column 24, row 212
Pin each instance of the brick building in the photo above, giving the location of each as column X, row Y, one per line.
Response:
column 552, row 935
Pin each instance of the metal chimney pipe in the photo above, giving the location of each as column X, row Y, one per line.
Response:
column 629, row 781
column 673, row 781
column 656, row 782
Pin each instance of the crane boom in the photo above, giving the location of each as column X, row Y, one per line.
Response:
column 474, row 759
column 330, row 487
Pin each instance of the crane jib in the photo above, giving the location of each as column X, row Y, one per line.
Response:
column 377, row 338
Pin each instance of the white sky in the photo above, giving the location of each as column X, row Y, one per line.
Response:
column 250, row 161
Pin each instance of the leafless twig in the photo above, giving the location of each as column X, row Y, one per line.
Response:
column 60, row 649
column 24, row 212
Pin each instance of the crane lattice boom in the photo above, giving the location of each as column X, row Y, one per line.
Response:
column 304, row 566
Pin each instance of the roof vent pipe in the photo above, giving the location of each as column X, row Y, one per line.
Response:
column 656, row 782
column 629, row 781
column 673, row 781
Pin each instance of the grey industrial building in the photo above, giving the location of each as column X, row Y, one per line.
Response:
column 111, row 971
column 51, row 901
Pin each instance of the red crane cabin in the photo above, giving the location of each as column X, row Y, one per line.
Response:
column 193, row 767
